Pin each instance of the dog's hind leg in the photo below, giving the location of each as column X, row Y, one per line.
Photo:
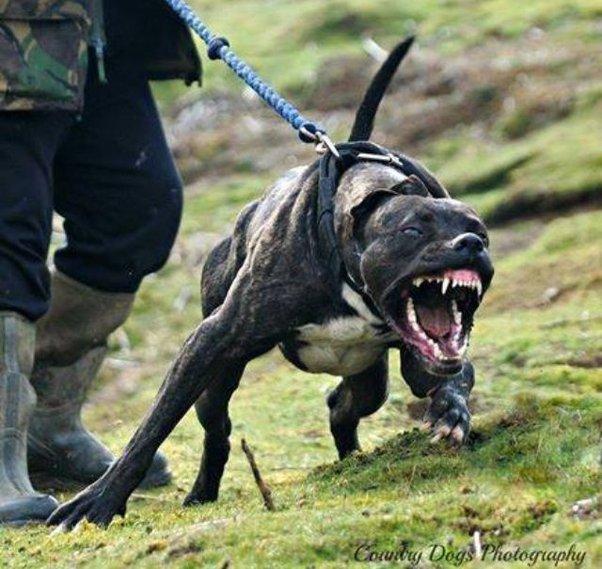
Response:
column 212, row 411
column 355, row 397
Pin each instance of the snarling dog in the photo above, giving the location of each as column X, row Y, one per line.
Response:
column 336, row 264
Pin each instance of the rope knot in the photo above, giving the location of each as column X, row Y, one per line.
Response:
column 215, row 46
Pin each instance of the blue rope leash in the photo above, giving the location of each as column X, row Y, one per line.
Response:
column 219, row 48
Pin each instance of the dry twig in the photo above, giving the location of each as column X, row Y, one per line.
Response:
column 263, row 487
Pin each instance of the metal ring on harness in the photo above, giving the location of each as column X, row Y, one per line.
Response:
column 384, row 158
column 325, row 145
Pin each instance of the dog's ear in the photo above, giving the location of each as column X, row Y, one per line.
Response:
column 360, row 212
column 415, row 168
column 411, row 186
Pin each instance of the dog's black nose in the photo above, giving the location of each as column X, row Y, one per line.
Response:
column 468, row 242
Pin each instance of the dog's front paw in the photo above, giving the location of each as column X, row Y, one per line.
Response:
column 96, row 504
column 448, row 416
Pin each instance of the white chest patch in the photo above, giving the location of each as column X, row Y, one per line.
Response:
column 345, row 345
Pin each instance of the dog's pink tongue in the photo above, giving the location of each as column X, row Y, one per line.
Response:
column 436, row 321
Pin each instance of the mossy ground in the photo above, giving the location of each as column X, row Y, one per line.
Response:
column 537, row 346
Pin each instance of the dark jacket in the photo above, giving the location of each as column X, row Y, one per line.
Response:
column 44, row 47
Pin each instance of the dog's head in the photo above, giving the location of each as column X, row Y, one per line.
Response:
column 421, row 256
column 423, row 261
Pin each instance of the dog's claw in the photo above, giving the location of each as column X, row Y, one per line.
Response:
column 458, row 434
column 91, row 504
column 448, row 417
column 58, row 530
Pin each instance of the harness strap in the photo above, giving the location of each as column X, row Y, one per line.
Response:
column 331, row 170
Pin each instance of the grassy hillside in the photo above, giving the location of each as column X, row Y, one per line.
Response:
column 502, row 101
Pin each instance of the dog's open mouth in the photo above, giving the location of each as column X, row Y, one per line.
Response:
column 436, row 313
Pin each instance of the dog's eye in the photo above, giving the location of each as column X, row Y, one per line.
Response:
column 413, row 231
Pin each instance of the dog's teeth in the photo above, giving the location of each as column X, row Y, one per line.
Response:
column 479, row 289
column 457, row 314
column 412, row 314
column 444, row 285
column 418, row 282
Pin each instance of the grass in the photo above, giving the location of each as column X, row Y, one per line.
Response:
column 533, row 452
column 537, row 404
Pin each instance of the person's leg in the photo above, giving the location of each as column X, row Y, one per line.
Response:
column 28, row 143
column 117, row 188
column 121, row 197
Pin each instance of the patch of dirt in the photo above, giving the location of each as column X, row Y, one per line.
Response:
column 537, row 204
column 192, row 251
column 182, row 550
column 593, row 362
column 507, row 240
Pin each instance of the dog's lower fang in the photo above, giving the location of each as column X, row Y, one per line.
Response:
column 457, row 314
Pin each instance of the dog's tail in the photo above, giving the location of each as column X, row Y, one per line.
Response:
column 364, row 119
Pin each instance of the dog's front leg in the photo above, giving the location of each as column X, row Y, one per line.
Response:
column 447, row 415
column 233, row 335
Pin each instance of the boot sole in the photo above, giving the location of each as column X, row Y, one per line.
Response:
column 35, row 510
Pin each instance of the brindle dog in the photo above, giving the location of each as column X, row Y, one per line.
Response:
column 413, row 265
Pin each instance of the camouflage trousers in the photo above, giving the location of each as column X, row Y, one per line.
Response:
column 43, row 53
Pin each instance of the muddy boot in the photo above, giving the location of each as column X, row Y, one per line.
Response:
column 19, row 502
column 70, row 349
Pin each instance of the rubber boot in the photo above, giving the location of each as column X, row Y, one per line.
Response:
column 70, row 349
column 19, row 502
